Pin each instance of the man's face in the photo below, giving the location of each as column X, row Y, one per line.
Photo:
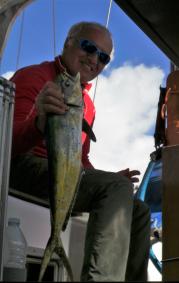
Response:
column 77, row 60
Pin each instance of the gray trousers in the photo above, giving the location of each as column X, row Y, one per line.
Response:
column 118, row 232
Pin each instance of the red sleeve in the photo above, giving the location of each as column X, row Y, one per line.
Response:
column 29, row 82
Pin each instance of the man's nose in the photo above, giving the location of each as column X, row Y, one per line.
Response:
column 94, row 58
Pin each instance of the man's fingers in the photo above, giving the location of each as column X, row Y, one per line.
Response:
column 51, row 100
column 134, row 180
column 134, row 172
column 130, row 174
column 52, row 93
column 51, row 85
column 54, row 101
column 61, row 109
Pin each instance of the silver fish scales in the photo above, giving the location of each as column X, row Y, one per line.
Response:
column 63, row 140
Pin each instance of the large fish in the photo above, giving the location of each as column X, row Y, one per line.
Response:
column 63, row 141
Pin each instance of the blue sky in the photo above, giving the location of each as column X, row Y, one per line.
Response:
column 127, row 91
column 131, row 44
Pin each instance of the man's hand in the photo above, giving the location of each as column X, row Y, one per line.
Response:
column 130, row 174
column 49, row 100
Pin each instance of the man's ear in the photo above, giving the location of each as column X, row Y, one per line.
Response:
column 66, row 44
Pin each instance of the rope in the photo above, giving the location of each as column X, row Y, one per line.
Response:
column 20, row 39
column 53, row 27
column 107, row 23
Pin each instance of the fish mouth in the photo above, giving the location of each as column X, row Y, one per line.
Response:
column 73, row 105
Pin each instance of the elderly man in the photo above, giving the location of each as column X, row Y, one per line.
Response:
column 117, row 239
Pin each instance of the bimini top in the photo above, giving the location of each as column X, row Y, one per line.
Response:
column 159, row 20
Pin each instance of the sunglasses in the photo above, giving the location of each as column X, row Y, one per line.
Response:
column 89, row 47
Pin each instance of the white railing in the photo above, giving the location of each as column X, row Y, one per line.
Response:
column 7, row 94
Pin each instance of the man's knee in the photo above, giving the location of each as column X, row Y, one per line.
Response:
column 120, row 179
column 141, row 209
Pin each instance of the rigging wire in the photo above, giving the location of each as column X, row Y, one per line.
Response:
column 21, row 34
column 20, row 40
column 109, row 13
column 19, row 44
column 0, row 64
column 107, row 24
column 54, row 27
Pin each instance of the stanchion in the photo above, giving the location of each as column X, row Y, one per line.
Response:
column 7, row 93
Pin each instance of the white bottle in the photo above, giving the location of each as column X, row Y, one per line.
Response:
column 15, row 252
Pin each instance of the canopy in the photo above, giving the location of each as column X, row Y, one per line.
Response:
column 159, row 20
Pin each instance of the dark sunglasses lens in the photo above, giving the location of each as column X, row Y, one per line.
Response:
column 88, row 46
column 104, row 58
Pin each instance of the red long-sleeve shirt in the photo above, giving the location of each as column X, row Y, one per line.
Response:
column 29, row 81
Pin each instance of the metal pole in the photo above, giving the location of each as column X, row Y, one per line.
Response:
column 6, row 141
column 1, row 127
column 4, row 127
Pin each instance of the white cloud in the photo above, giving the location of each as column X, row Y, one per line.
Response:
column 126, row 107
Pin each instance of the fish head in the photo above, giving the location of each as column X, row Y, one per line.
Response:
column 75, row 97
column 71, row 87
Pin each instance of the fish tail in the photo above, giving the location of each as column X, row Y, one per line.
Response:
column 60, row 251
column 46, row 258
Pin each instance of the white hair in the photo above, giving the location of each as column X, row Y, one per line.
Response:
column 77, row 28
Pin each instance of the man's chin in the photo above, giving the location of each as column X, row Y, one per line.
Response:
column 86, row 78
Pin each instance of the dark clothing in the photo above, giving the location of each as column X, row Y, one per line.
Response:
column 117, row 239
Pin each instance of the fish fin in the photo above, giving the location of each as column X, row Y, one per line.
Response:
column 60, row 251
column 88, row 130
column 46, row 257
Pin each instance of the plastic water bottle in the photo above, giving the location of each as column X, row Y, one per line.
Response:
column 15, row 252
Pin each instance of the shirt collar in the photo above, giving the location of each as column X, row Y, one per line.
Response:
column 59, row 65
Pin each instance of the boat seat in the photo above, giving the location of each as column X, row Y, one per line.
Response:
column 35, row 200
